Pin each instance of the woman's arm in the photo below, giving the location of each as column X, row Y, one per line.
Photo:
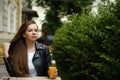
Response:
column 5, row 48
column 7, row 60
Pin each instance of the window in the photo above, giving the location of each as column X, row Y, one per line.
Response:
column 9, row 15
column 1, row 15
column 14, row 21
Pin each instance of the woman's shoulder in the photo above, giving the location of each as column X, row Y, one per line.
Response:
column 40, row 45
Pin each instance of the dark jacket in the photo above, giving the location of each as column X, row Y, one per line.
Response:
column 41, row 60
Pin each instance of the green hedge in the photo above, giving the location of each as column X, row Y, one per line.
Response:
column 88, row 47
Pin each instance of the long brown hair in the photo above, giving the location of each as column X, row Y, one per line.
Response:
column 18, row 51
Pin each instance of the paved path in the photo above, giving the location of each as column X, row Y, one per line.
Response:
column 3, row 72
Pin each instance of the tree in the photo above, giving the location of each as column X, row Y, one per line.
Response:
column 88, row 47
column 60, row 8
column 29, row 4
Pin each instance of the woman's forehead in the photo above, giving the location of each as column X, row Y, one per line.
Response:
column 32, row 26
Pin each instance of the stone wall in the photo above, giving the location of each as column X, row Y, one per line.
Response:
column 11, row 19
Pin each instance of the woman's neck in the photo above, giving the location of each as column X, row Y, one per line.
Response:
column 30, row 46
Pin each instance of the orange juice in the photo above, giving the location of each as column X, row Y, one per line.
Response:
column 52, row 70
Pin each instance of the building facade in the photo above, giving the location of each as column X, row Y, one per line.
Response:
column 10, row 18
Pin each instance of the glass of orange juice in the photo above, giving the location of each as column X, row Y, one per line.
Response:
column 52, row 70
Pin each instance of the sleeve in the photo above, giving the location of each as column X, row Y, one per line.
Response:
column 9, row 66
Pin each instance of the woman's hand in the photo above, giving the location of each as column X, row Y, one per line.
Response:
column 56, row 73
column 5, row 48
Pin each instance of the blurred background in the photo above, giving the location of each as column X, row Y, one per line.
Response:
column 82, row 35
column 49, row 15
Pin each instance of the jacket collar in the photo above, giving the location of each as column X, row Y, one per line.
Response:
column 38, row 45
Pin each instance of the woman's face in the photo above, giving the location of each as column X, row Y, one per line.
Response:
column 31, row 33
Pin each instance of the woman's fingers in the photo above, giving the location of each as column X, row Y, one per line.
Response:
column 56, row 73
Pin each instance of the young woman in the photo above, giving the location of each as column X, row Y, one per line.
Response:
column 24, row 56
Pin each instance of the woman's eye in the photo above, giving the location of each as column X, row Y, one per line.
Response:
column 36, row 30
column 29, row 30
column 33, row 30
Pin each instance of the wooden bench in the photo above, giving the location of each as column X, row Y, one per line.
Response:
column 29, row 78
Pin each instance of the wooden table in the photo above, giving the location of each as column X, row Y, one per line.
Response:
column 29, row 78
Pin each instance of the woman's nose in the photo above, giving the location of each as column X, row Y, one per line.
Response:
column 34, row 32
